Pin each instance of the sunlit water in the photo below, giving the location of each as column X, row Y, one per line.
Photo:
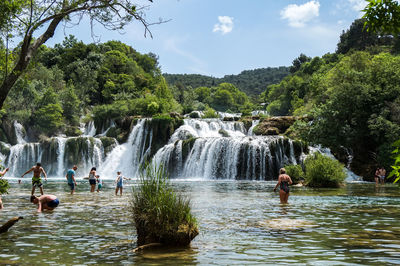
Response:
column 357, row 224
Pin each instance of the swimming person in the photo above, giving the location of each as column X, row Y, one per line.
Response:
column 120, row 182
column 283, row 181
column 92, row 179
column 37, row 179
column 45, row 202
column 1, row 175
column 71, row 178
column 99, row 183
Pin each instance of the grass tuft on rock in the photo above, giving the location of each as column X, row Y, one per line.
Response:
column 160, row 214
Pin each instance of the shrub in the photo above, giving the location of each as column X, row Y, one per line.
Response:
column 4, row 186
column 210, row 113
column 160, row 215
column 295, row 172
column 323, row 171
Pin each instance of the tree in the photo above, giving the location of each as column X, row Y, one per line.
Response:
column 382, row 16
column 27, row 17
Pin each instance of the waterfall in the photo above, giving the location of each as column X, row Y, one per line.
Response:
column 254, row 123
column 200, row 148
column 128, row 156
column 22, row 157
column 89, row 129
column 253, row 158
column 19, row 132
column 60, row 155
column 208, row 128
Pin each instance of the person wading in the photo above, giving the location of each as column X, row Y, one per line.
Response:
column 283, row 182
column 37, row 179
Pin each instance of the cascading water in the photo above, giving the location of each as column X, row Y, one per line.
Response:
column 198, row 149
column 19, row 133
column 128, row 156
column 202, row 148
column 60, row 155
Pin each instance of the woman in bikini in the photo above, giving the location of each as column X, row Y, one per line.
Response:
column 283, row 182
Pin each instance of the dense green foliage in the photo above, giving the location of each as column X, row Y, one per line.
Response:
column 295, row 172
column 323, row 171
column 71, row 80
column 224, row 98
column 358, row 37
column 396, row 165
column 251, row 82
column 4, row 186
column 352, row 100
column 160, row 214
column 383, row 16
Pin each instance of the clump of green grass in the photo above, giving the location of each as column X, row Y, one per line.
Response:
column 160, row 214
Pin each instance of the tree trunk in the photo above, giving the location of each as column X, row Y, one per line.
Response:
column 4, row 228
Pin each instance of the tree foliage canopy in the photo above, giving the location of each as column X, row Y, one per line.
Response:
column 35, row 21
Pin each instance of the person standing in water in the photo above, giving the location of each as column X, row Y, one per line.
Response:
column 382, row 175
column 377, row 176
column 283, row 181
column 1, row 175
column 120, row 183
column 45, row 202
column 71, row 178
column 37, row 179
column 92, row 179
column 99, row 183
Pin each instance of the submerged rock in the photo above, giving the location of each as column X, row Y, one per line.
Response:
column 285, row 224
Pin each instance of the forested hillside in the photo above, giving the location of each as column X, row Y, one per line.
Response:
column 73, row 80
column 352, row 98
column 251, row 82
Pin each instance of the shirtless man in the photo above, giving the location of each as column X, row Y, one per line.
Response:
column 36, row 179
column 45, row 202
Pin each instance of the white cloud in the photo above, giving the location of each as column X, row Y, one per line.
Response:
column 357, row 5
column 298, row 15
column 225, row 24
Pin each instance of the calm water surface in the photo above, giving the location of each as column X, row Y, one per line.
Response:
column 240, row 223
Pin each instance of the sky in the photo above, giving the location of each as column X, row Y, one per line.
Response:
column 224, row 37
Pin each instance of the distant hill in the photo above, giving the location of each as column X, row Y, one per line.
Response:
column 251, row 82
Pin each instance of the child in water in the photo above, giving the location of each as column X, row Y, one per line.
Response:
column 120, row 182
column 99, row 183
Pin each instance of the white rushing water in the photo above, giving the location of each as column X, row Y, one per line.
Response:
column 128, row 156
column 200, row 148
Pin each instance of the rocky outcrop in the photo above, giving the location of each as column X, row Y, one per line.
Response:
column 275, row 125
column 7, row 132
column 162, row 129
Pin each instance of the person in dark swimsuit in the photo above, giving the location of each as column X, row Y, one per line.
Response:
column 45, row 202
column 283, row 182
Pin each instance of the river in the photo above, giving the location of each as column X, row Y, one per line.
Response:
column 241, row 222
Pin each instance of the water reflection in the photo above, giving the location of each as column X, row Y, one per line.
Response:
column 240, row 223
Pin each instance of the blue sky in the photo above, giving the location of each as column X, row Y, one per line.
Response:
column 222, row 37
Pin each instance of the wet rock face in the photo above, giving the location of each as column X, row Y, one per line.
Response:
column 274, row 125
column 7, row 132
